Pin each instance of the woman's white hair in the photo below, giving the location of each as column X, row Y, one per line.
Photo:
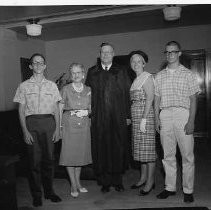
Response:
column 81, row 66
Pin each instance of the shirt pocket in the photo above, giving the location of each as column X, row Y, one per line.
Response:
column 31, row 99
column 180, row 88
column 48, row 97
column 166, row 87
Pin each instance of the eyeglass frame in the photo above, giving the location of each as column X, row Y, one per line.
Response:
column 173, row 52
column 38, row 63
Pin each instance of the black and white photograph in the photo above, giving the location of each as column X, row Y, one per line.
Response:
column 105, row 105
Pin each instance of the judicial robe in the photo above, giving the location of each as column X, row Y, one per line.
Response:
column 110, row 109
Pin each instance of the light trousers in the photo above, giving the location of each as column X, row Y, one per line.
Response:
column 173, row 121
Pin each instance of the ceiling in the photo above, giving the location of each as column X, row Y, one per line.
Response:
column 70, row 21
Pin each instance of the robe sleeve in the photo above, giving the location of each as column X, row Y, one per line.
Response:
column 126, row 83
column 88, row 77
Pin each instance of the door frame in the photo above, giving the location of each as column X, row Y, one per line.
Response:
column 207, row 80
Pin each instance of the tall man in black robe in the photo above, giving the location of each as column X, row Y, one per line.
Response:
column 110, row 85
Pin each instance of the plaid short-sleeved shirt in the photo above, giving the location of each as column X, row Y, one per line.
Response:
column 174, row 88
column 38, row 98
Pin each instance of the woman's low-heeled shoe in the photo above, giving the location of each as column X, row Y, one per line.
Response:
column 143, row 193
column 74, row 194
column 135, row 186
column 82, row 190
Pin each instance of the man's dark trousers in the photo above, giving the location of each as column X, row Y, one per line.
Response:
column 41, row 154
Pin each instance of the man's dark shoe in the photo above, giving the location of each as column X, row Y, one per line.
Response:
column 188, row 198
column 37, row 202
column 54, row 198
column 105, row 189
column 165, row 194
column 119, row 188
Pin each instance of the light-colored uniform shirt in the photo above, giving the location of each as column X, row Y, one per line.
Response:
column 39, row 98
column 175, row 87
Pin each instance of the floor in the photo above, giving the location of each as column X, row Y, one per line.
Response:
column 129, row 199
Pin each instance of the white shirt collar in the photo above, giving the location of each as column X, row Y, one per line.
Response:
column 104, row 66
column 32, row 79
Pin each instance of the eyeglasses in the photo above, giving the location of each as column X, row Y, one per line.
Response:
column 38, row 63
column 173, row 52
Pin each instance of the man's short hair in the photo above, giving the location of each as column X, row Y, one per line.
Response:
column 106, row 44
column 34, row 55
column 174, row 43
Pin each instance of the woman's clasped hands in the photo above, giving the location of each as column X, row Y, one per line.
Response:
column 80, row 113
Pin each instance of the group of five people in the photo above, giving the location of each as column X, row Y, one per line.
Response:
column 92, row 113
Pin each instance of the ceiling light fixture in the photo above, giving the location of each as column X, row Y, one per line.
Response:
column 33, row 29
column 172, row 12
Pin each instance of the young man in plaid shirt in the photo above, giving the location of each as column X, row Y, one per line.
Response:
column 175, row 107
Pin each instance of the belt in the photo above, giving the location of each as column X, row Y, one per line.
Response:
column 74, row 112
column 170, row 107
column 69, row 110
column 134, row 101
column 39, row 116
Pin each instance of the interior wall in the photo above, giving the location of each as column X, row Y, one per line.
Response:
column 61, row 53
column 13, row 47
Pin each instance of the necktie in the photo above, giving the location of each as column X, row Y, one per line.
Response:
column 106, row 68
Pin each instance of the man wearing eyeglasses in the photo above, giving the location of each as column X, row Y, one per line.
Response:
column 39, row 118
column 175, row 107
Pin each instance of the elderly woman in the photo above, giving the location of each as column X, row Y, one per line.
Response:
column 143, row 128
column 76, row 140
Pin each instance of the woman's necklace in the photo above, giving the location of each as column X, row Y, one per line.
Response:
column 78, row 89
